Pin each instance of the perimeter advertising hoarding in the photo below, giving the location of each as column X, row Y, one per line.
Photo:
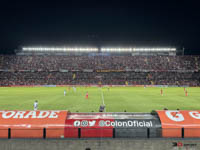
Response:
column 30, row 124
column 90, row 125
column 173, row 121
column 102, row 124
column 137, row 127
column 61, row 124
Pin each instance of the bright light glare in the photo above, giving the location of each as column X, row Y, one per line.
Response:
column 103, row 49
column 64, row 49
column 134, row 49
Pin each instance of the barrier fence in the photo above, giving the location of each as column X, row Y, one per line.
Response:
column 46, row 133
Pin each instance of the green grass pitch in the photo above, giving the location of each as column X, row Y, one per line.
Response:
column 117, row 99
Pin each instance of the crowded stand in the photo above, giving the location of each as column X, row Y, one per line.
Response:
column 102, row 70
column 99, row 62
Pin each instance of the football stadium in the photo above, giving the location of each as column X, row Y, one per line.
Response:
column 59, row 79
column 99, row 75
column 119, row 95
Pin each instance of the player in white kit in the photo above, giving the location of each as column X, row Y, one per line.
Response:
column 65, row 92
column 74, row 88
column 36, row 105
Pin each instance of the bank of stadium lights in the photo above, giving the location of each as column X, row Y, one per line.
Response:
column 60, row 49
column 154, row 49
column 138, row 49
column 93, row 49
column 116, row 49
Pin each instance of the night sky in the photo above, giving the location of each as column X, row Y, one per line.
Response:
column 143, row 23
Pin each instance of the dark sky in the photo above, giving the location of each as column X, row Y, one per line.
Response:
column 143, row 23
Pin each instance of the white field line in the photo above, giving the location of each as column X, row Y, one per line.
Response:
column 102, row 97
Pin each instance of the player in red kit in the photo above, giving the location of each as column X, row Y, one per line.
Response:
column 186, row 93
column 86, row 96
column 161, row 91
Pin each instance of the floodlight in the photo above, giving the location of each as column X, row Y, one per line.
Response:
column 75, row 49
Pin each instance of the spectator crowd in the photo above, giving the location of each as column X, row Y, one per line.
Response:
column 112, row 70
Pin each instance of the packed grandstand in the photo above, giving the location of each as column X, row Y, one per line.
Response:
column 112, row 69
